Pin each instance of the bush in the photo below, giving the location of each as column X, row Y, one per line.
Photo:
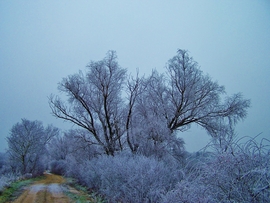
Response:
column 189, row 192
column 238, row 175
column 6, row 180
column 58, row 167
column 128, row 178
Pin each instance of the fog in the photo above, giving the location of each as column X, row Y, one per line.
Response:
column 43, row 41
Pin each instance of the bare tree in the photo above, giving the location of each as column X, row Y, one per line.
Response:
column 185, row 95
column 135, row 87
column 156, row 107
column 95, row 102
column 26, row 145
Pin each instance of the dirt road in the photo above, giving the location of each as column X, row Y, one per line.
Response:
column 47, row 190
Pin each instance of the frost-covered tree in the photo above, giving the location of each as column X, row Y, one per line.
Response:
column 73, row 143
column 27, row 144
column 171, row 102
column 59, row 148
column 135, row 87
column 145, row 114
column 185, row 96
column 95, row 103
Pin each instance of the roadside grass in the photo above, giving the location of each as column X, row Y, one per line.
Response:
column 77, row 198
column 84, row 197
column 15, row 189
column 80, row 194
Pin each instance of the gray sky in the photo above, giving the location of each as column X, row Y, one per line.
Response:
column 43, row 41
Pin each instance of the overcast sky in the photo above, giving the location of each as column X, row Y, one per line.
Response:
column 43, row 41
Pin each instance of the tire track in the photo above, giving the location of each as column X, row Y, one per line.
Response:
column 48, row 190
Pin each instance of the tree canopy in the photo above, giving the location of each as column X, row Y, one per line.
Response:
column 27, row 144
column 119, row 111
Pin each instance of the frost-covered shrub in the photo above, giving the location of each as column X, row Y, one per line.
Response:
column 3, row 159
column 128, row 178
column 58, row 167
column 189, row 192
column 6, row 180
column 241, row 174
column 6, row 177
column 238, row 175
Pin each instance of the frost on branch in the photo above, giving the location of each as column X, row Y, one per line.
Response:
column 144, row 114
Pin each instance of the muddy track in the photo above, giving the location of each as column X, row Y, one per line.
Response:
column 48, row 190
